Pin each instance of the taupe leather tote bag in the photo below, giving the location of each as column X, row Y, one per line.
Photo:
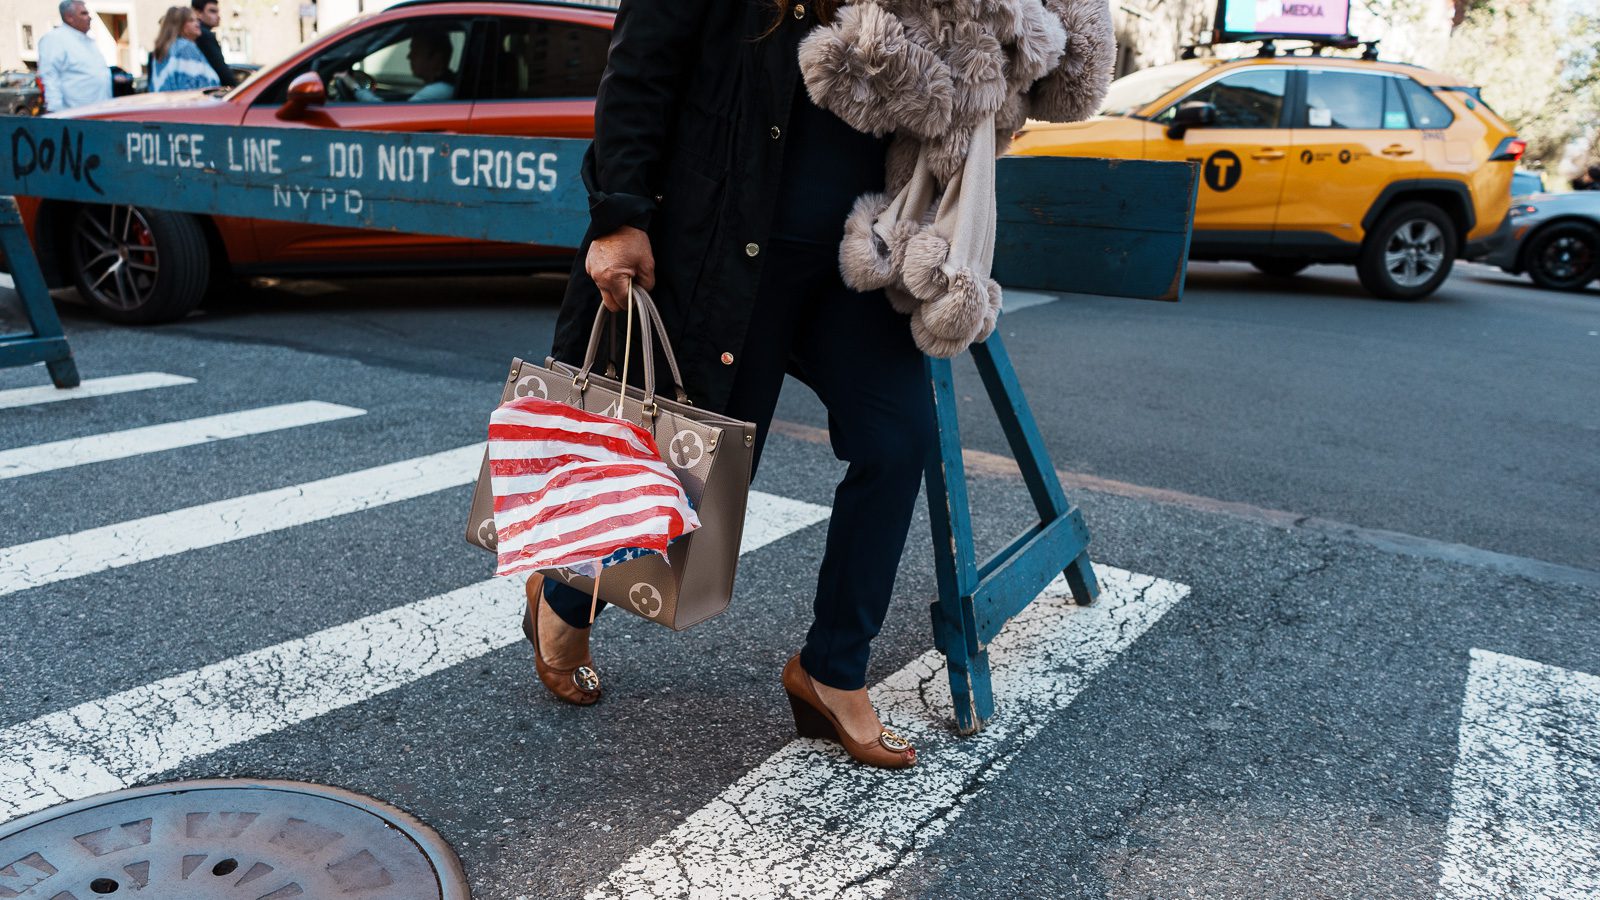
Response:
column 710, row 453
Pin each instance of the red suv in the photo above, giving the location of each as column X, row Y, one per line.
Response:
column 509, row 68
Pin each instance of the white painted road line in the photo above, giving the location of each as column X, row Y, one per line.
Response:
column 75, row 555
column 768, row 517
column 107, row 744
column 92, row 387
column 776, row 832
column 54, row 559
column 169, row 436
column 1525, row 799
column 1014, row 299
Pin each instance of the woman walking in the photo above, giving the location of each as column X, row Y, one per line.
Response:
column 176, row 63
column 783, row 175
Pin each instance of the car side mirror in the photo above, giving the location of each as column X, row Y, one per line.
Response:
column 1194, row 114
column 305, row 91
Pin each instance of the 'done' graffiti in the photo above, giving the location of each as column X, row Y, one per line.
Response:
column 44, row 155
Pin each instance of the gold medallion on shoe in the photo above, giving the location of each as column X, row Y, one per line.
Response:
column 892, row 741
column 813, row 719
column 580, row 684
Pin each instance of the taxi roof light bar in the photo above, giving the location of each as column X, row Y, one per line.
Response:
column 1314, row 44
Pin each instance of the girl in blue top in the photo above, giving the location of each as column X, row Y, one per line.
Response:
column 177, row 63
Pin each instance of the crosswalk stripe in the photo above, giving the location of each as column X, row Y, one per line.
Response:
column 109, row 743
column 81, row 553
column 1525, row 796
column 93, row 387
column 776, row 831
column 1015, row 299
column 168, row 436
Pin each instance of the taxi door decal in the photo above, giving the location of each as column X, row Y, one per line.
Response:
column 1222, row 170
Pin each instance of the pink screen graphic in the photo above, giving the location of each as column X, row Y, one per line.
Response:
column 1312, row 17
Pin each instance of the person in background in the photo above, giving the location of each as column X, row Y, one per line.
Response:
column 1588, row 181
column 206, row 11
column 70, row 65
column 176, row 63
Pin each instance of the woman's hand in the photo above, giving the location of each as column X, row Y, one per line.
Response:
column 614, row 259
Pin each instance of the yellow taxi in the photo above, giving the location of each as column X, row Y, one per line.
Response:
column 1306, row 159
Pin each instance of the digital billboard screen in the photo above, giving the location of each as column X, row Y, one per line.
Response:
column 1296, row 18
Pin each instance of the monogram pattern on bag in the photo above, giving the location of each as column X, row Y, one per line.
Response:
column 687, row 449
column 531, row 386
column 646, row 599
column 486, row 533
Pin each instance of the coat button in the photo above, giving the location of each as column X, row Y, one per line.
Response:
column 752, row 249
column 727, row 359
column 776, row 132
column 799, row 10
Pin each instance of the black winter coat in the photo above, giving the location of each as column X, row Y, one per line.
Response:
column 212, row 51
column 690, row 122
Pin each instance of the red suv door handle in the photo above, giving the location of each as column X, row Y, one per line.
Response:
column 1397, row 150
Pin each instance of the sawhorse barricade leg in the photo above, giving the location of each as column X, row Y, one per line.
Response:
column 46, row 343
column 975, row 601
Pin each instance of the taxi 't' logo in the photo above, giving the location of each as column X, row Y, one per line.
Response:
column 1222, row 170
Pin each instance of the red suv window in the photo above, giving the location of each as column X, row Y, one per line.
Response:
column 540, row 59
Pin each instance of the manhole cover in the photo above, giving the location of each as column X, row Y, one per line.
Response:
column 227, row 840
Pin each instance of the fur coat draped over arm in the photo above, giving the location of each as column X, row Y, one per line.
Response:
column 951, row 80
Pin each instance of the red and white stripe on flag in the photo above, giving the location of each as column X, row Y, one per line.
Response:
column 573, row 487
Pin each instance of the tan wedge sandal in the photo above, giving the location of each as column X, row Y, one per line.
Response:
column 813, row 720
column 579, row 685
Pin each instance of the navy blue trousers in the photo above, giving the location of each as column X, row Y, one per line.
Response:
column 856, row 353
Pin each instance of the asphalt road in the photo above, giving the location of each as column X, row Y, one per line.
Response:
column 1346, row 515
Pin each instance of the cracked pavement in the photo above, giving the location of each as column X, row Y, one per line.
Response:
column 1289, row 729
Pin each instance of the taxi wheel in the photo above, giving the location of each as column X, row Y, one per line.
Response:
column 1280, row 268
column 1564, row 257
column 138, row 266
column 1409, row 254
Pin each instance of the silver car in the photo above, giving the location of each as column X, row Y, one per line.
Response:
column 1555, row 238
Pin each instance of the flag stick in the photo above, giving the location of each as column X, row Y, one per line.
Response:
column 594, row 599
column 622, row 413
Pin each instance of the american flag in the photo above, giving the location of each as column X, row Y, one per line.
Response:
column 577, row 490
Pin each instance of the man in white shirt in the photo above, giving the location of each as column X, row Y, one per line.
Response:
column 70, row 64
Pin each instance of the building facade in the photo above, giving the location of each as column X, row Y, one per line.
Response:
column 252, row 31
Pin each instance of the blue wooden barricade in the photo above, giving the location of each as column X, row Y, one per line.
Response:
column 1081, row 225
column 1118, row 227
column 43, row 341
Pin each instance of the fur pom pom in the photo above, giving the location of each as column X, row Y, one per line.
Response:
column 900, row 235
column 922, row 93
column 922, row 270
column 901, row 160
column 864, row 259
column 843, row 63
column 902, row 302
column 930, row 343
column 978, row 66
column 865, row 70
column 1041, row 40
column 1075, row 89
column 1011, row 116
column 999, row 16
column 959, row 314
column 992, row 317
column 947, row 153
